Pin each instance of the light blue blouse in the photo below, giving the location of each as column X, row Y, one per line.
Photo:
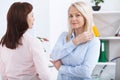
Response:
column 78, row 61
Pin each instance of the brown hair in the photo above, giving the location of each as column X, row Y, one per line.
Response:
column 16, row 24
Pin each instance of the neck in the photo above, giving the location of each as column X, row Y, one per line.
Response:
column 78, row 31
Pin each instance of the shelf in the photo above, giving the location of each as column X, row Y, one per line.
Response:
column 106, row 12
column 104, row 71
column 108, row 23
column 106, row 63
column 109, row 38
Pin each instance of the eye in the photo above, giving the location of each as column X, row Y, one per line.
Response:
column 70, row 16
column 77, row 15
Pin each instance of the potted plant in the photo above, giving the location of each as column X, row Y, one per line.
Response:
column 96, row 6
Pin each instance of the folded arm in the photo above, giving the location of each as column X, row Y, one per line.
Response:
column 85, row 69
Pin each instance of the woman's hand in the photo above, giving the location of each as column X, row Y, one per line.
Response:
column 57, row 64
column 84, row 37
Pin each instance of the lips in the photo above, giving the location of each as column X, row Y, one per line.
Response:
column 74, row 23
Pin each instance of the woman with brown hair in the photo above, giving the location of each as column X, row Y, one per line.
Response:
column 21, row 55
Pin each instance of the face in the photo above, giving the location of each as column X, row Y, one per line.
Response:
column 76, row 20
column 30, row 19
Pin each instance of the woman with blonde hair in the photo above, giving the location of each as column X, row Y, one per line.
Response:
column 76, row 52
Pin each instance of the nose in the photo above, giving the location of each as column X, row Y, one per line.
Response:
column 73, row 18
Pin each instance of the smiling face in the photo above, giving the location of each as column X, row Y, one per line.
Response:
column 30, row 19
column 76, row 20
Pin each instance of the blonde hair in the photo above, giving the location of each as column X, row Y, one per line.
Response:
column 86, row 11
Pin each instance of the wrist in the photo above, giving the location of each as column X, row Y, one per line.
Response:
column 74, row 41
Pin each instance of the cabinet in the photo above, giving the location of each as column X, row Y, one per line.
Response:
column 107, row 24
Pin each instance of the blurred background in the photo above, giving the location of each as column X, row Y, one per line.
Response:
column 51, row 21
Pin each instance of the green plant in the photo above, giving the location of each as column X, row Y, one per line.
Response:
column 97, row 2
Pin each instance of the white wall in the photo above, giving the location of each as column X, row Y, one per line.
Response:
column 110, row 5
column 41, row 14
column 41, row 9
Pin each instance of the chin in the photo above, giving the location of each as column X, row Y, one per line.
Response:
column 75, row 27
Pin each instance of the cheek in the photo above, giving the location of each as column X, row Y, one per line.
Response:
column 30, row 20
column 82, row 21
column 70, row 21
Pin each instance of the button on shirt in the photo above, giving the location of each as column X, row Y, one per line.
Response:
column 26, row 62
column 78, row 61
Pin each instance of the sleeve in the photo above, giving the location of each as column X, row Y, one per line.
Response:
column 85, row 69
column 62, row 48
column 40, row 60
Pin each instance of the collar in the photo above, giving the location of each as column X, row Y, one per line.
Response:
column 72, row 35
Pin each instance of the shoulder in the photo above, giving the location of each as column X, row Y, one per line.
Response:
column 95, row 41
column 63, row 34
column 31, row 39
